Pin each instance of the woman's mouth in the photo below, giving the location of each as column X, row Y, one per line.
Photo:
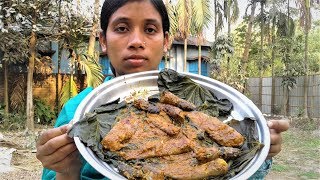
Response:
column 136, row 60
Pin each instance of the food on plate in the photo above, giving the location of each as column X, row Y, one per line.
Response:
column 175, row 134
column 172, row 137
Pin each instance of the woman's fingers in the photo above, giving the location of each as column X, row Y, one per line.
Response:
column 59, row 155
column 54, row 144
column 69, row 164
column 279, row 125
column 47, row 135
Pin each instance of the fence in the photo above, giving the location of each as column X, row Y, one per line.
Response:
column 295, row 96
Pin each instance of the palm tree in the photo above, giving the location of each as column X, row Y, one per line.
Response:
column 218, row 18
column 74, row 38
column 201, row 18
column 247, row 45
column 95, row 24
column 184, row 13
column 230, row 5
column 173, row 18
column 305, row 22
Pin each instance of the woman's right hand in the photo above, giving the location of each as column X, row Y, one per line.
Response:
column 58, row 152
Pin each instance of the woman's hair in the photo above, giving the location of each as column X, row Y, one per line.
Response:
column 110, row 6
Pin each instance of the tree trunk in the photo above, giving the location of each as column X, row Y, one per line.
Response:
column 6, row 89
column 199, row 59
column 248, row 40
column 30, row 108
column 58, row 75
column 273, row 88
column 306, row 77
column 260, row 91
column 261, row 56
column 185, row 55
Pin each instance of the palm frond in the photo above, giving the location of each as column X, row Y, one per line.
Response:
column 184, row 12
column 68, row 91
column 173, row 18
column 235, row 11
column 201, row 14
column 92, row 69
column 17, row 98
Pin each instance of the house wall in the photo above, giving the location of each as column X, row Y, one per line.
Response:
column 177, row 57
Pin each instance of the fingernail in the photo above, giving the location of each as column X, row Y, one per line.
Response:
column 269, row 124
column 69, row 126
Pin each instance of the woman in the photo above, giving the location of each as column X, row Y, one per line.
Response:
column 135, row 36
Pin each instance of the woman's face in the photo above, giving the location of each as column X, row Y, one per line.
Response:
column 134, row 38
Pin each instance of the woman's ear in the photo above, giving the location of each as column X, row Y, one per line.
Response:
column 103, row 42
column 166, row 42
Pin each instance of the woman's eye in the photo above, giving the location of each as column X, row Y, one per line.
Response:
column 150, row 30
column 121, row 29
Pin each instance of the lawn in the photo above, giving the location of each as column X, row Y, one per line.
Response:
column 300, row 156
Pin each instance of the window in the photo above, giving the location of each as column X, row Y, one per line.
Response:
column 193, row 67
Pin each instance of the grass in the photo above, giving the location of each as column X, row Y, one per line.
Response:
column 300, row 155
column 280, row 168
column 309, row 175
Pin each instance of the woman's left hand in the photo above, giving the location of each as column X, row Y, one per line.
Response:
column 276, row 127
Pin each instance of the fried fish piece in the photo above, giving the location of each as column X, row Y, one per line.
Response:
column 167, row 97
column 123, row 130
column 174, row 112
column 220, row 132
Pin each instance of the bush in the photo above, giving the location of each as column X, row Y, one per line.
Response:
column 305, row 123
column 14, row 121
column 43, row 114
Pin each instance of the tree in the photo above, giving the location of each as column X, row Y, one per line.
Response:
column 245, row 55
column 218, row 18
column 201, row 18
column 184, row 13
column 13, row 42
column 230, row 5
column 95, row 24
column 74, row 28
column 305, row 22
column 173, row 18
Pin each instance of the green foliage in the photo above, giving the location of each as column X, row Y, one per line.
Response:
column 92, row 69
column 221, row 48
column 43, row 113
column 68, row 91
column 13, row 121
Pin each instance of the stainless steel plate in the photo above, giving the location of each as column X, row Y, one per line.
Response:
column 145, row 84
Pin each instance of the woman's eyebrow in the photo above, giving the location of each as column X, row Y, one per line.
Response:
column 120, row 20
column 152, row 21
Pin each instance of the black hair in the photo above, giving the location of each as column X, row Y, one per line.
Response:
column 110, row 6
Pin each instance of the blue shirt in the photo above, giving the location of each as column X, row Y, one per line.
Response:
column 87, row 171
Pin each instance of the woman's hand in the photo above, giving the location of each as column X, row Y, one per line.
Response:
column 58, row 152
column 276, row 127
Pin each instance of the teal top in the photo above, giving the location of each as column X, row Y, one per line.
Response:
column 87, row 171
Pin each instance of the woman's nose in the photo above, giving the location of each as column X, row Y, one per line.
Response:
column 136, row 40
